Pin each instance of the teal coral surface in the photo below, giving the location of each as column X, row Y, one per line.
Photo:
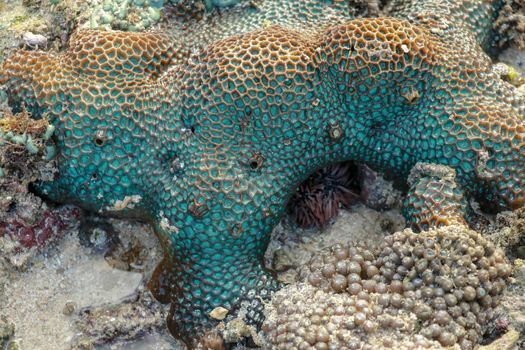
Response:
column 208, row 135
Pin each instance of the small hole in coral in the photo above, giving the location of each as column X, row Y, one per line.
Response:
column 99, row 141
column 254, row 164
column 11, row 207
column 94, row 176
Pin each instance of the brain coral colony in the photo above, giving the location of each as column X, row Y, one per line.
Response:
column 208, row 133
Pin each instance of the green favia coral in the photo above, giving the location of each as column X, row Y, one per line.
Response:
column 210, row 146
column 126, row 14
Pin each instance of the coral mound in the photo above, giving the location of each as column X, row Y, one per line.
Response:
column 209, row 148
column 423, row 290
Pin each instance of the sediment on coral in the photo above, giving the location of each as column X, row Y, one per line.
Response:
column 127, row 320
column 209, row 4
column 507, row 231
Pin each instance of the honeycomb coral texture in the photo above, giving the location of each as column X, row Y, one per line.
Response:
column 434, row 198
column 210, row 146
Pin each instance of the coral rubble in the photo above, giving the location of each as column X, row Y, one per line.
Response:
column 26, row 154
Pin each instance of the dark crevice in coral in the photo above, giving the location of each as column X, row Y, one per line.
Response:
column 318, row 198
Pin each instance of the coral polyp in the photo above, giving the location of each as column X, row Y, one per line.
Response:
column 209, row 147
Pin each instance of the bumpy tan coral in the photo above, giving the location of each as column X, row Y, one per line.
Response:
column 436, row 287
column 303, row 317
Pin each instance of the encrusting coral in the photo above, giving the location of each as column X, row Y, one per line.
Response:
column 434, row 198
column 209, row 148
